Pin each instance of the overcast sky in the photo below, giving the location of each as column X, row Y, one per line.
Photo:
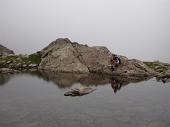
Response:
column 134, row 28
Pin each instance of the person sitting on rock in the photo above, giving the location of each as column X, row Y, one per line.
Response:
column 115, row 61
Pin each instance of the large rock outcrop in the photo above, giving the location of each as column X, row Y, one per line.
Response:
column 5, row 51
column 62, row 55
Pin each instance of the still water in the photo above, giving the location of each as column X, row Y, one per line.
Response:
column 37, row 100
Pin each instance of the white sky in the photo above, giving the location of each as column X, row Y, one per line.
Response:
column 134, row 28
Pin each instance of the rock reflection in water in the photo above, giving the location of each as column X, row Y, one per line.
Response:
column 4, row 78
column 163, row 79
column 67, row 80
column 117, row 82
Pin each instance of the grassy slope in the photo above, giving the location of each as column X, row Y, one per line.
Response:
column 157, row 66
column 14, row 60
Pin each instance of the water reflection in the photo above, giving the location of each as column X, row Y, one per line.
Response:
column 37, row 99
column 4, row 78
column 115, row 85
column 67, row 80
column 163, row 79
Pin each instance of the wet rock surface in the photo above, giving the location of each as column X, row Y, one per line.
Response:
column 79, row 91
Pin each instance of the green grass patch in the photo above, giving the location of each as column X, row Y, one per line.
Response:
column 157, row 66
column 15, row 60
column 32, row 59
column 35, row 58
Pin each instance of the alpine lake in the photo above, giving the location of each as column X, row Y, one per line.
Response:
column 37, row 99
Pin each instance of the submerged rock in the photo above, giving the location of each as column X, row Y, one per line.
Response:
column 79, row 92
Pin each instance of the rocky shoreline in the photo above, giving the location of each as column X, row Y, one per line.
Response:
column 62, row 55
column 19, row 63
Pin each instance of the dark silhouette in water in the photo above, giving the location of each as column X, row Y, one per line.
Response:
column 115, row 85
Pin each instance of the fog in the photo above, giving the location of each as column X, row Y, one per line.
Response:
column 134, row 28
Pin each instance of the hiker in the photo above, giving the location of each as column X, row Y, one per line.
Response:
column 115, row 61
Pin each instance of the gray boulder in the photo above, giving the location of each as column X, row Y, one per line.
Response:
column 5, row 51
column 62, row 55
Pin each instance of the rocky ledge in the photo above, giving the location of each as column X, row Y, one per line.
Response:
column 62, row 55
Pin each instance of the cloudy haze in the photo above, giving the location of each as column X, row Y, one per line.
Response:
column 134, row 28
